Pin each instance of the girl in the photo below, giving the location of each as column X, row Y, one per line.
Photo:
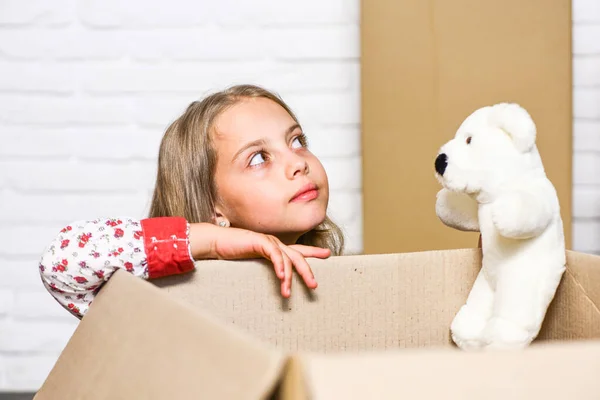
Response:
column 235, row 180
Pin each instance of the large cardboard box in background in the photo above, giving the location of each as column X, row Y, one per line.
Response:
column 425, row 66
column 377, row 327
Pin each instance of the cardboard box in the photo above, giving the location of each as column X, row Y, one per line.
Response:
column 424, row 67
column 377, row 327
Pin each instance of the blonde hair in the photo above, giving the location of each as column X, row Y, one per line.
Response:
column 185, row 183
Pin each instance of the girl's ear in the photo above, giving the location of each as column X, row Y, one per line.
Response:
column 219, row 218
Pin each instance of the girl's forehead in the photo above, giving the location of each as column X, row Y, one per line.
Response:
column 252, row 119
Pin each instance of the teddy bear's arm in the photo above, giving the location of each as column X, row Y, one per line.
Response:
column 457, row 210
column 521, row 214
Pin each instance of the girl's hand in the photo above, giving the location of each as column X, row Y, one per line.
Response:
column 210, row 241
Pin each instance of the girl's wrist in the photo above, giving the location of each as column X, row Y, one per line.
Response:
column 202, row 240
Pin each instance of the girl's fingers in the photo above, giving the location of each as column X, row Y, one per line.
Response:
column 286, row 258
column 271, row 251
column 286, row 284
column 302, row 267
column 311, row 251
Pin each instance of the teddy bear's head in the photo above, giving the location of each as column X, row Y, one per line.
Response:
column 493, row 145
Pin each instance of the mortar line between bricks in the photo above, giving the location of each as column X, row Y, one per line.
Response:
column 60, row 192
column 39, row 92
column 27, row 353
column 586, row 23
column 64, row 125
column 116, row 160
column 79, row 192
column 32, row 257
column 232, row 26
column 187, row 95
column 587, row 186
column 583, row 56
column 42, row 225
column 54, row 319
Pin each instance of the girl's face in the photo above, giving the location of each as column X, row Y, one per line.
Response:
column 267, row 180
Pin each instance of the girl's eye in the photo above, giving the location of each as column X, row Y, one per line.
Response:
column 297, row 143
column 257, row 159
column 469, row 140
column 300, row 141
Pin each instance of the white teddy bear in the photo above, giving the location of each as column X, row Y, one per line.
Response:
column 494, row 182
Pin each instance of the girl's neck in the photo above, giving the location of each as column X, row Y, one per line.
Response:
column 288, row 238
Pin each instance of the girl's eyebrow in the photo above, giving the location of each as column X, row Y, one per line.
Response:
column 255, row 143
column 261, row 142
column 291, row 129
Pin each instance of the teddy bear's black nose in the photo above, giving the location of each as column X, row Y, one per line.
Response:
column 441, row 162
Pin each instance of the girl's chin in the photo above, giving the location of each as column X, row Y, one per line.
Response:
column 298, row 222
column 310, row 222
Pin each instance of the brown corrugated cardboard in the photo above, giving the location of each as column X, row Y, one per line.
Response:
column 425, row 66
column 377, row 327
column 378, row 302
column 137, row 343
column 566, row 371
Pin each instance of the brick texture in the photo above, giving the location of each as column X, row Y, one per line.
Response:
column 88, row 88
column 586, row 125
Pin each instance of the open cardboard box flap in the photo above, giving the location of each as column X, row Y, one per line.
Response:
column 376, row 327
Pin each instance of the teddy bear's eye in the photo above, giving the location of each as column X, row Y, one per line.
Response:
column 469, row 140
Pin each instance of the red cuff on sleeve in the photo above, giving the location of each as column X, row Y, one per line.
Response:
column 166, row 244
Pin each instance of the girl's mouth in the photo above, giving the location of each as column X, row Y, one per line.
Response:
column 306, row 193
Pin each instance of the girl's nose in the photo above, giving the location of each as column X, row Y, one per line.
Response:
column 297, row 166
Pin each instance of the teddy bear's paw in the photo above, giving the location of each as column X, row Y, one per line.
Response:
column 507, row 215
column 457, row 210
column 501, row 333
column 467, row 329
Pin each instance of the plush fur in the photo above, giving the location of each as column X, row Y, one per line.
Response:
column 494, row 182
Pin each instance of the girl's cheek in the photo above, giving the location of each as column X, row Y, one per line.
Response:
column 260, row 173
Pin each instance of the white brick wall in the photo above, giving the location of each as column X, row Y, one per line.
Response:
column 586, row 125
column 87, row 88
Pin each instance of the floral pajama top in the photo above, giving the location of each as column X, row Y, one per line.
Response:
column 84, row 255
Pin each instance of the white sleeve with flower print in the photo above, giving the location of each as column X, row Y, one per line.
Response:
column 84, row 255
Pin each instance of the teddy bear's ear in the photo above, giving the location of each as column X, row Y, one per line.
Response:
column 516, row 122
